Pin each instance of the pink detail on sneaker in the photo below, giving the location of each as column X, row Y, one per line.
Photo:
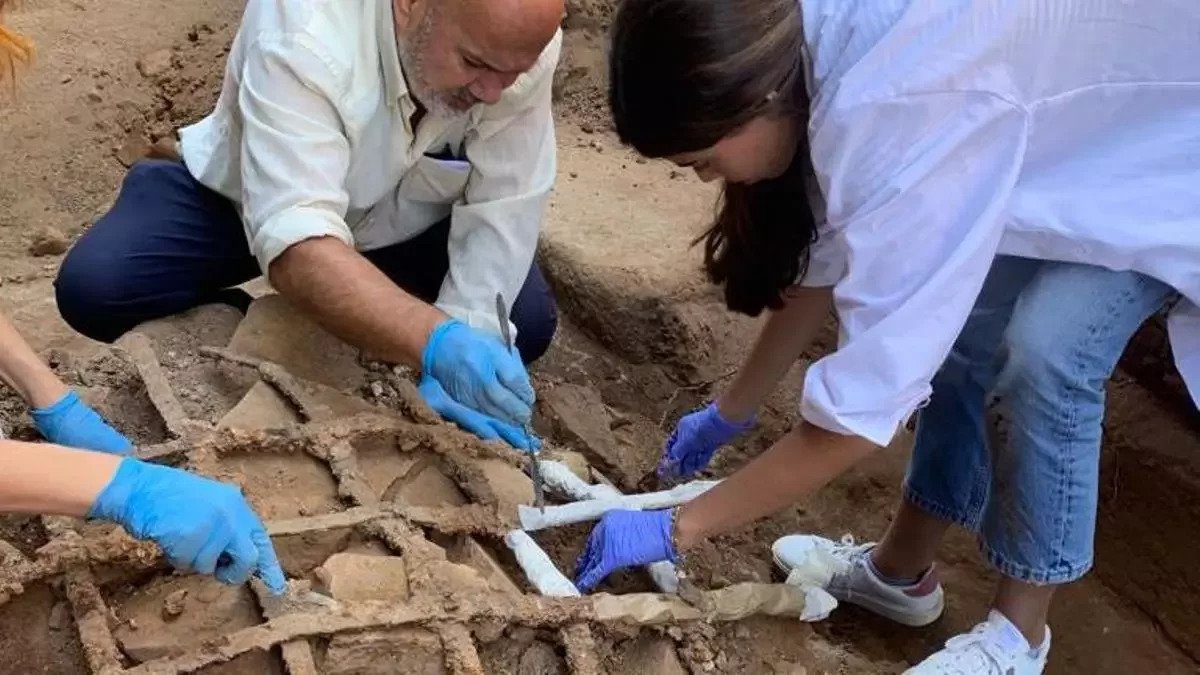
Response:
column 927, row 584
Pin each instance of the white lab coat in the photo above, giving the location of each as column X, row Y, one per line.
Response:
column 945, row 133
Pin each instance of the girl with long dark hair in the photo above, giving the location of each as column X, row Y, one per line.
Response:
column 992, row 195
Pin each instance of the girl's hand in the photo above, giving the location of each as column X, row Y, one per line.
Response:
column 624, row 539
column 696, row 438
column 70, row 422
column 202, row 526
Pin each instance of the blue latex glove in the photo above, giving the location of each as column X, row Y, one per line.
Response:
column 470, row 378
column 624, row 539
column 72, row 423
column 202, row 525
column 696, row 438
column 487, row 428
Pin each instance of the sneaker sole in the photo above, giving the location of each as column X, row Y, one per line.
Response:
column 905, row 619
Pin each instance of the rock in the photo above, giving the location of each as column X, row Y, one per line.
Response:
column 575, row 461
column 522, row 634
column 48, row 241
column 155, row 63
column 211, row 325
column 274, row 330
column 579, row 417
column 508, row 484
column 300, row 554
column 174, row 604
column 261, row 408
column 134, row 148
column 356, row 577
column 425, row 485
column 651, row 654
column 230, row 609
column 60, row 616
column 411, row 651
column 467, row 551
column 541, row 659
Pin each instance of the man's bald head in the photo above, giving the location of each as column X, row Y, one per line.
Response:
column 457, row 53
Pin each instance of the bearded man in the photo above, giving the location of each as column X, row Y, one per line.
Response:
column 386, row 164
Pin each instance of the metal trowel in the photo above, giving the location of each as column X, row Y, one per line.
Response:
column 535, row 472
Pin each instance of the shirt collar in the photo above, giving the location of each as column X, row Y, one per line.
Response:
column 395, row 86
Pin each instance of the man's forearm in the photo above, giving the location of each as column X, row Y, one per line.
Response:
column 50, row 479
column 24, row 371
column 351, row 298
column 786, row 334
column 795, row 466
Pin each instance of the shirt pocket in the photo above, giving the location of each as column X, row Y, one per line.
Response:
column 437, row 181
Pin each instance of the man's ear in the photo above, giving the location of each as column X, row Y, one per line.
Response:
column 406, row 12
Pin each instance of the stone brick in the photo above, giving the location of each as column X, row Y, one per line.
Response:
column 467, row 551
column 261, row 408
column 403, row 651
column 276, row 331
column 425, row 485
column 651, row 654
column 356, row 577
column 508, row 484
column 206, row 609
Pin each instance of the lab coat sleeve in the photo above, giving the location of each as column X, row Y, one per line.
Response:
column 295, row 156
column 494, row 230
column 916, row 189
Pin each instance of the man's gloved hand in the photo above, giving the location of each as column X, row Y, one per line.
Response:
column 72, row 423
column 624, row 539
column 202, row 525
column 487, row 428
column 696, row 438
column 470, row 378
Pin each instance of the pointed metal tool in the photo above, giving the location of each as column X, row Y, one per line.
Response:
column 535, row 472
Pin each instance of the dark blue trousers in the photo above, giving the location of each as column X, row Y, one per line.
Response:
column 170, row 244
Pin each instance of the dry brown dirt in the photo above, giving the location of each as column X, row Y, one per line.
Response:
column 114, row 77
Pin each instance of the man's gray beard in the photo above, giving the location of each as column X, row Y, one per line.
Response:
column 414, row 74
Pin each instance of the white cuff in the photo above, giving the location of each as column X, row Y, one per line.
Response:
column 478, row 319
column 292, row 226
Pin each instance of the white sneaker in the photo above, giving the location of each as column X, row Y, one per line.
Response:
column 994, row 647
column 853, row 580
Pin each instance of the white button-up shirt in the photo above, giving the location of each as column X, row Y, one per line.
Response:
column 945, row 133
column 312, row 137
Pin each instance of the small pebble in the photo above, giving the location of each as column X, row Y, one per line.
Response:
column 586, row 128
column 133, row 625
column 377, row 389
column 173, row 605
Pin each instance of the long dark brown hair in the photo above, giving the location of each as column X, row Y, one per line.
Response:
column 686, row 73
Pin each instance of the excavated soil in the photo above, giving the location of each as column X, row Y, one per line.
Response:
column 401, row 519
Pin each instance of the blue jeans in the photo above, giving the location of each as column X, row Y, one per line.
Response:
column 1042, row 340
column 170, row 244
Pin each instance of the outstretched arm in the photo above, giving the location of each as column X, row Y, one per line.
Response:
column 785, row 334
column 50, row 479
column 797, row 465
column 201, row 525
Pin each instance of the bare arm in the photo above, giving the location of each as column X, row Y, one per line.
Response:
column 351, row 298
column 24, row 371
column 785, row 334
column 797, row 465
column 51, row 479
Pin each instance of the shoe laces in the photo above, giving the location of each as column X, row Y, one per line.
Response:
column 849, row 553
column 971, row 653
